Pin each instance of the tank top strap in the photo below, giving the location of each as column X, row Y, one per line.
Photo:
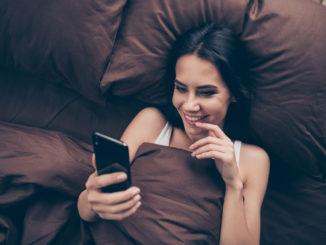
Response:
column 165, row 135
column 237, row 148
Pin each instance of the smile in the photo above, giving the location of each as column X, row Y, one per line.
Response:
column 194, row 119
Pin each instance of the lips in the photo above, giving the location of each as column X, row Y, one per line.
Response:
column 193, row 119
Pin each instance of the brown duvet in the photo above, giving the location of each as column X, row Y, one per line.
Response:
column 182, row 197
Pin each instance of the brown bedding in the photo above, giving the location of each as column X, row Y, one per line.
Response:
column 182, row 197
column 28, row 100
column 60, row 41
column 62, row 67
column 41, row 175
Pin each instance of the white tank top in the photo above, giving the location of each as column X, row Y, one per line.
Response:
column 166, row 133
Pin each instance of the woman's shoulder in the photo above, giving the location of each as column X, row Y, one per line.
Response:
column 253, row 159
column 149, row 122
column 151, row 114
column 145, row 127
column 253, row 152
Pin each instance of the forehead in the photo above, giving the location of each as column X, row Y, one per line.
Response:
column 194, row 71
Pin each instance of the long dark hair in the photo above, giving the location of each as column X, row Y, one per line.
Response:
column 222, row 47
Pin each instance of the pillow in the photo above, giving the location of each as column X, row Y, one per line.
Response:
column 64, row 41
column 137, row 65
column 286, row 55
column 287, row 60
column 181, row 200
column 30, row 101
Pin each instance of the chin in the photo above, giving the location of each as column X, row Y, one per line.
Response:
column 195, row 135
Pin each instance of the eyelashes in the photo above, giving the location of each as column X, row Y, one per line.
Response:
column 207, row 93
column 200, row 93
column 180, row 89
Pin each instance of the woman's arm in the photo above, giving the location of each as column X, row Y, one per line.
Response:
column 92, row 202
column 242, row 205
column 245, row 187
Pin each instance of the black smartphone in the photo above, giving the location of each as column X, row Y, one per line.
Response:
column 111, row 155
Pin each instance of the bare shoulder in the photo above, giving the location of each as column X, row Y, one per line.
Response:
column 254, row 153
column 254, row 161
column 145, row 127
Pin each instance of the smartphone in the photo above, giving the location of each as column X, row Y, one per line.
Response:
column 111, row 155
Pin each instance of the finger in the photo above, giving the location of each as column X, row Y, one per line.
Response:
column 93, row 161
column 90, row 179
column 99, row 181
column 211, row 155
column 223, row 157
column 205, row 141
column 117, row 208
column 96, row 197
column 121, row 215
column 218, row 132
column 209, row 148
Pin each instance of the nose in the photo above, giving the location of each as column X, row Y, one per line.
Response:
column 191, row 104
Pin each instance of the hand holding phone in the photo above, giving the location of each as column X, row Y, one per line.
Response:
column 111, row 155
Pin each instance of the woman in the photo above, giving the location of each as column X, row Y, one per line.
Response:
column 206, row 86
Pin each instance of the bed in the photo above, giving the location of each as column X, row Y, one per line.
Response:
column 68, row 69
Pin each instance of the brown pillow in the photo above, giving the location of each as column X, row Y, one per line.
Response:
column 287, row 59
column 145, row 38
column 30, row 101
column 181, row 200
column 63, row 41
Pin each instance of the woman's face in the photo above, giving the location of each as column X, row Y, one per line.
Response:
column 200, row 95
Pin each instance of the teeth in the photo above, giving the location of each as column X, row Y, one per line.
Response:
column 193, row 119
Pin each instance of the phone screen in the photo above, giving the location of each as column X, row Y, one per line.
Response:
column 111, row 155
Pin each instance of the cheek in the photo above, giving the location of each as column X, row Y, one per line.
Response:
column 217, row 107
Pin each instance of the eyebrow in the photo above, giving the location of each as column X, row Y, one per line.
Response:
column 199, row 87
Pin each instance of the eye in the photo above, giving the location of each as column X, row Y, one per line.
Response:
column 180, row 89
column 207, row 93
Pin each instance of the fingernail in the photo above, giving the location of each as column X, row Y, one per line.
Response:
column 135, row 191
column 121, row 176
column 137, row 198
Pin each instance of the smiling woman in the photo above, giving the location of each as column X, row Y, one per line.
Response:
column 200, row 94
column 195, row 57
column 206, row 81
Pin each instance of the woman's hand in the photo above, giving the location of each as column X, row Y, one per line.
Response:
column 112, row 206
column 94, row 203
column 219, row 147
